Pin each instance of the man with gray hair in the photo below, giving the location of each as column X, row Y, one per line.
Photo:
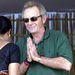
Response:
column 43, row 51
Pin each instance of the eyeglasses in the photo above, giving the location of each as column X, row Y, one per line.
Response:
column 33, row 19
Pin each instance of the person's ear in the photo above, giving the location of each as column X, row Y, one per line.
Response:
column 44, row 18
column 9, row 32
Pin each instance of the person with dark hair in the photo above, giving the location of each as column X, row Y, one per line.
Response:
column 9, row 52
column 43, row 51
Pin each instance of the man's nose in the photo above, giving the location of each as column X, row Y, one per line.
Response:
column 30, row 22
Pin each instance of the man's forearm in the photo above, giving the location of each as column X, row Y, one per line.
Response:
column 57, row 63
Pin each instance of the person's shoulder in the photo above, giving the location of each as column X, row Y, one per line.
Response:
column 22, row 40
column 56, row 32
column 13, row 50
column 12, row 45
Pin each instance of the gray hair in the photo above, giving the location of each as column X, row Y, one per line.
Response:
column 37, row 4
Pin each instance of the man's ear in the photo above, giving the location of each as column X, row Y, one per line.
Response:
column 44, row 18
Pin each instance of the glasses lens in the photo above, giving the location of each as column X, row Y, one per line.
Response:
column 26, row 20
column 34, row 19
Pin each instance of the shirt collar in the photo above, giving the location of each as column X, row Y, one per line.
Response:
column 45, row 36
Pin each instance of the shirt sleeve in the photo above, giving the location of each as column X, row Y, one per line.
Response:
column 14, row 54
column 64, row 47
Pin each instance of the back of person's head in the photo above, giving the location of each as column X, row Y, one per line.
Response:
column 37, row 4
column 5, row 25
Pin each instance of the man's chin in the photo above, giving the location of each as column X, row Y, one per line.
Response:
column 33, row 32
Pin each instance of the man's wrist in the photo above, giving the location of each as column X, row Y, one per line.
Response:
column 38, row 59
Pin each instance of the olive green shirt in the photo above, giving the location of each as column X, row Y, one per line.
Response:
column 53, row 44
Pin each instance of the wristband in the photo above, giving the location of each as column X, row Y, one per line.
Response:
column 26, row 61
column 26, row 64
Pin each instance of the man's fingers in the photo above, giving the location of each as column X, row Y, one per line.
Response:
column 29, row 56
column 28, row 53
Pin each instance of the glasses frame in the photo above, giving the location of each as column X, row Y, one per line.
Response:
column 33, row 19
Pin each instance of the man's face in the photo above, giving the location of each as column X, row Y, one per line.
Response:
column 33, row 19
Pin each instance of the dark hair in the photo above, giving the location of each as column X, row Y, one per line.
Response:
column 5, row 25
